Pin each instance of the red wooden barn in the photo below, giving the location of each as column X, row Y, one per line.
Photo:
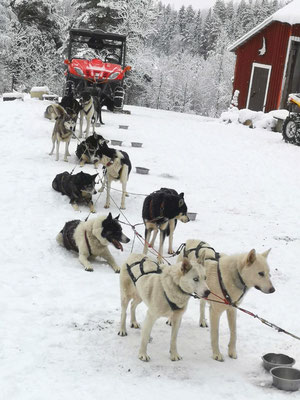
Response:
column 268, row 61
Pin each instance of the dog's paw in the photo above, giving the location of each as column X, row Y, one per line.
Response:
column 175, row 357
column 107, row 206
column 135, row 325
column 218, row 357
column 144, row 357
column 169, row 322
column 89, row 269
column 122, row 333
column 232, row 353
column 171, row 252
column 116, row 269
column 122, row 208
column 203, row 324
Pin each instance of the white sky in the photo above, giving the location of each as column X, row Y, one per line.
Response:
column 197, row 4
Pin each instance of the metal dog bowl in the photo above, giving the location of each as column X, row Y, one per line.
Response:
column 272, row 360
column 123, row 126
column 116, row 142
column 286, row 378
column 136, row 144
column 192, row 216
column 141, row 170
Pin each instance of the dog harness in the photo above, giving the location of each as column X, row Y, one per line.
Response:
column 221, row 283
column 142, row 272
column 134, row 279
column 197, row 249
column 87, row 243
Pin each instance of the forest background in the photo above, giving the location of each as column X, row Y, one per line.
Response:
column 180, row 59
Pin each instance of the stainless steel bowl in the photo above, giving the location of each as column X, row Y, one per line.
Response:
column 286, row 378
column 116, row 142
column 192, row 216
column 142, row 170
column 272, row 360
column 136, row 144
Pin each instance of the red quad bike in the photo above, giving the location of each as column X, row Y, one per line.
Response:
column 291, row 125
column 96, row 64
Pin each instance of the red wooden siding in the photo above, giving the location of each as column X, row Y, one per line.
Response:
column 277, row 38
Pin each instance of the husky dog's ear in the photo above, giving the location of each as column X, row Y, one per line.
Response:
column 266, row 253
column 181, row 201
column 201, row 258
column 109, row 217
column 185, row 266
column 117, row 217
column 251, row 257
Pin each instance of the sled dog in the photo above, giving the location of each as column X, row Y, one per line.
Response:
column 230, row 277
column 89, row 111
column 89, row 150
column 161, row 210
column 91, row 239
column 165, row 290
column 79, row 188
column 72, row 107
column 50, row 112
column 117, row 167
column 62, row 131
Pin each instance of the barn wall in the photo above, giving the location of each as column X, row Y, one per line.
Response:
column 277, row 36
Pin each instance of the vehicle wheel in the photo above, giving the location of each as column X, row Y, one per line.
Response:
column 289, row 130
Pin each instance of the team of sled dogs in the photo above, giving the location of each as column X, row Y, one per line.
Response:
column 199, row 270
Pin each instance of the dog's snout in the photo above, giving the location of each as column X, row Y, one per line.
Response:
column 206, row 293
column 272, row 290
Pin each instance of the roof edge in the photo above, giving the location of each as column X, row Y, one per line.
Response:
column 251, row 33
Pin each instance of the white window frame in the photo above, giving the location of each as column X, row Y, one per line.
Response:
column 266, row 66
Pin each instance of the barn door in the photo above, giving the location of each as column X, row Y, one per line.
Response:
column 292, row 82
column 258, row 88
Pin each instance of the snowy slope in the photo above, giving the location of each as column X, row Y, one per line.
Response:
column 59, row 324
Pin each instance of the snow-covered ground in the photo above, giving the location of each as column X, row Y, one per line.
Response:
column 59, row 324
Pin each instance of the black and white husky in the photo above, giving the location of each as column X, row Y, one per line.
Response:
column 161, row 210
column 89, row 150
column 91, row 239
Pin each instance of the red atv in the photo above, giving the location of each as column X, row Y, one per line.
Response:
column 96, row 64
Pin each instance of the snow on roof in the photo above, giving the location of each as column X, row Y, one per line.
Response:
column 39, row 89
column 289, row 14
